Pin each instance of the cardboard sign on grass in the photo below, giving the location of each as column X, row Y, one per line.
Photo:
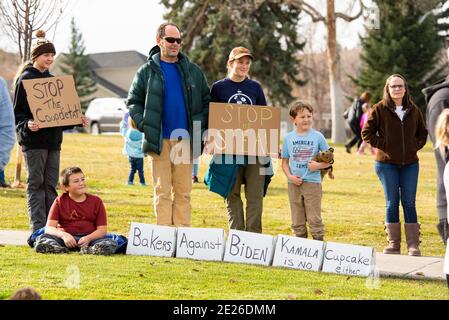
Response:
column 200, row 244
column 151, row 240
column 53, row 101
column 348, row 259
column 298, row 253
column 244, row 129
column 249, row 247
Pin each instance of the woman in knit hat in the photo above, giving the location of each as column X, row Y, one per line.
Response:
column 41, row 146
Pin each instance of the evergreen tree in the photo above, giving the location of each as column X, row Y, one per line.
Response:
column 76, row 63
column 406, row 42
column 212, row 28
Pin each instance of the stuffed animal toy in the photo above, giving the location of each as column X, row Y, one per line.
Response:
column 327, row 157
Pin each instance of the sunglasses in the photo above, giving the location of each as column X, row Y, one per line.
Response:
column 173, row 40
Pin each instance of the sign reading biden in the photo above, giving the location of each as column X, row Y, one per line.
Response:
column 53, row 101
column 248, row 247
column 298, row 253
column 200, row 244
column 348, row 259
column 151, row 240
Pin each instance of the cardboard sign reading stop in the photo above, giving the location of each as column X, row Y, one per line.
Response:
column 243, row 129
column 53, row 101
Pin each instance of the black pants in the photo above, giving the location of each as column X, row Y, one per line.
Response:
column 357, row 139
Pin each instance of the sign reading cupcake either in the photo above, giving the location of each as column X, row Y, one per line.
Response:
column 53, row 101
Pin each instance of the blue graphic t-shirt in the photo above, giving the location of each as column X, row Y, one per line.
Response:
column 246, row 92
column 175, row 113
column 300, row 149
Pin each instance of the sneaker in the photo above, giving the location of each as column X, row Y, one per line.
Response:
column 43, row 247
column 348, row 149
column 100, row 248
column 130, row 183
column 143, row 184
column 195, row 179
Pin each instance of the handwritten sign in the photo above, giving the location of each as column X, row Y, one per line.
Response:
column 200, row 244
column 348, row 259
column 243, row 129
column 298, row 253
column 248, row 247
column 53, row 101
column 151, row 240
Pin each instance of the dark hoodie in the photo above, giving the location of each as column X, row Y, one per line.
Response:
column 437, row 99
column 46, row 138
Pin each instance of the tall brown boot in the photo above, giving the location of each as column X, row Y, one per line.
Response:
column 393, row 231
column 412, row 237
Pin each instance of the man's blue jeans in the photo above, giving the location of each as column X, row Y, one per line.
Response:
column 399, row 182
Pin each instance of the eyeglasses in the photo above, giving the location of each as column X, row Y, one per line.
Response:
column 396, row 86
column 172, row 40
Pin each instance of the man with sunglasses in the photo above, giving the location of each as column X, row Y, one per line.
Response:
column 169, row 102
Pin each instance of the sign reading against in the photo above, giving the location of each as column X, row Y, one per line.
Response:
column 53, row 101
column 298, row 253
column 249, row 247
column 200, row 244
column 151, row 240
column 348, row 259
column 243, row 129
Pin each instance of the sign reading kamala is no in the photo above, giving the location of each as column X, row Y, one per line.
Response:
column 348, row 259
column 298, row 253
column 200, row 243
column 151, row 240
column 248, row 247
column 53, row 101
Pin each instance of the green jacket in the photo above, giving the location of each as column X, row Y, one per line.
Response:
column 145, row 100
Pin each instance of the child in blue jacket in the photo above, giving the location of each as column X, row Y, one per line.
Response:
column 133, row 149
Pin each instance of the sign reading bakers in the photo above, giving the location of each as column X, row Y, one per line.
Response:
column 53, row 101
column 243, row 129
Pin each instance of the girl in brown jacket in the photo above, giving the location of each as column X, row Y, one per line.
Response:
column 396, row 128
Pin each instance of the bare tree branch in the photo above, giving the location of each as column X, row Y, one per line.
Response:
column 349, row 18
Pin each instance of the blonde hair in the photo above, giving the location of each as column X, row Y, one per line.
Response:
column 442, row 130
column 131, row 123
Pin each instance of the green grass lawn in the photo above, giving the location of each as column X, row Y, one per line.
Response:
column 353, row 212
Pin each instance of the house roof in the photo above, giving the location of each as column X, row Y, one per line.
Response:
column 109, row 85
column 121, row 59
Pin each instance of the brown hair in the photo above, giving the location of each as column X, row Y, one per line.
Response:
column 64, row 177
column 298, row 106
column 366, row 96
column 131, row 123
column 27, row 293
column 160, row 33
column 407, row 100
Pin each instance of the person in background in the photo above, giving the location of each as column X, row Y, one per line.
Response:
column 396, row 128
column 195, row 173
column 7, row 134
column 133, row 149
column 354, row 115
column 366, row 112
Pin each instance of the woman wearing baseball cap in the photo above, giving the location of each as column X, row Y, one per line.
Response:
column 227, row 178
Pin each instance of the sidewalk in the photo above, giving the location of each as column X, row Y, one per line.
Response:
column 388, row 265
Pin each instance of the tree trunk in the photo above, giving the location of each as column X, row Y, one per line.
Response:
column 17, row 176
column 333, row 60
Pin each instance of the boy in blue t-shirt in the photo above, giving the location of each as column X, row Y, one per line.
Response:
column 304, row 178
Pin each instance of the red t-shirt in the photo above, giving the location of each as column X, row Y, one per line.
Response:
column 78, row 217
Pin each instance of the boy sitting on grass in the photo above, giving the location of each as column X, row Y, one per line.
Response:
column 76, row 221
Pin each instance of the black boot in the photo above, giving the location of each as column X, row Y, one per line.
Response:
column 443, row 230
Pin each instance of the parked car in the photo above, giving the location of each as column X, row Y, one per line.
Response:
column 105, row 114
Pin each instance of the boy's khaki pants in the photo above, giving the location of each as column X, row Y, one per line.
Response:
column 172, row 182
column 305, row 205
